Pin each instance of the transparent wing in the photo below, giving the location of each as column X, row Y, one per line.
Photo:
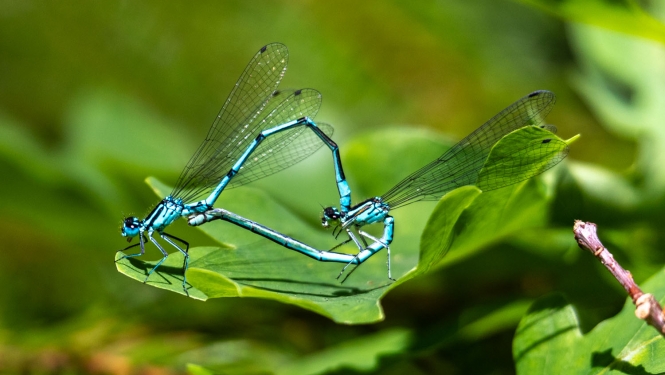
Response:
column 461, row 164
column 283, row 107
column 280, row 152
column 549, row 127
column 238, row 117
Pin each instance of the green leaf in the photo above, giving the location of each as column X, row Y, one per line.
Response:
column 545, row 337
column 255, row 267
column 438, row 234
column 466, row 222
column 169, row 274
column 524, row 153
column 248, row 265
column 624, row 16
column 549, row 340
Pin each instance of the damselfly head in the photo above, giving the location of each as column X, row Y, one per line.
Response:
column 130, row 227
column 329, row 214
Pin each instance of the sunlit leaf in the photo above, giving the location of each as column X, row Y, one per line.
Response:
column 168, row 276
column 438, row 234
column 549, row 340
column 256, row 267
column 489, row 216
column 251, row 266
column 519, row 155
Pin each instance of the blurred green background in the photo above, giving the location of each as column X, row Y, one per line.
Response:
column 96, row 96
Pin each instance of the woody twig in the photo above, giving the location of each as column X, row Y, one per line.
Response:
column 646, row 306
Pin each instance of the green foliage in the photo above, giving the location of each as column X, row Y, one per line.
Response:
column 622, row 92
column 359, row 355
column 97, row 95
column 494, row 214
column 624, row 16
column 259, row 268
column 520, row 155
column 437, row 236
column 549, row 340
column 619, row 89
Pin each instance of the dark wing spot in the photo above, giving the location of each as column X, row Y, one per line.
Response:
column 264, row 48
column 546, row 141
column 297, row 92
column 536, row 93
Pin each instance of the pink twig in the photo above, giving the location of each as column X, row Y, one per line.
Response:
column 646, row 306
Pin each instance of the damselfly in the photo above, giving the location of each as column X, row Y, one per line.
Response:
column 259, row 131
column 459, row 166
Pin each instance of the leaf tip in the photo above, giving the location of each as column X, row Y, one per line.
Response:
column 572, row 139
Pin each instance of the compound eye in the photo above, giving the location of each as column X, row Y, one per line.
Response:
column 131, row 227
column 330, row 213
column 131, row 223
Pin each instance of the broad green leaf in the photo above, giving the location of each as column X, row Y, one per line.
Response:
column 524, row 153
column 549, row 340
column 486, row 218
column 249, row 265
column 438, row 234
column 624, row 16
column 546, row 339
column 169, row 274
column 497, row 214
column 256, row 267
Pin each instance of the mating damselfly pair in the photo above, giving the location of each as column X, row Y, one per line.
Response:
column 261, row 130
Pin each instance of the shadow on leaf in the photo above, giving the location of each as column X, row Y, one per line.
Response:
column 606, row 360
column 336, row 292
